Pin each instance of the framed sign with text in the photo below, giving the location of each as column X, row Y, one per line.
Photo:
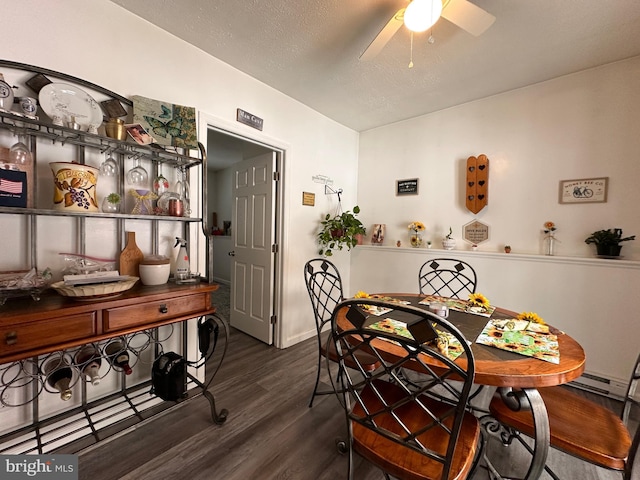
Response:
column 407, row 187
column 584, row 190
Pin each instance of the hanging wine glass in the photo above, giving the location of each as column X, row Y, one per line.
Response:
column 160, row 183
column 179, row 187
column 186, row 192
column 138, row 176
column 109, row 168
column 19, row 153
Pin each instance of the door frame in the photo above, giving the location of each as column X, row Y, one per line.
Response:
column 207, row 121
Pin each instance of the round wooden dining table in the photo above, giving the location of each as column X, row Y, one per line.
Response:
column 516, row 377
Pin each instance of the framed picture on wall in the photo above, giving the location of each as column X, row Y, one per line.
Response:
column 584, row 190
column 407, row 187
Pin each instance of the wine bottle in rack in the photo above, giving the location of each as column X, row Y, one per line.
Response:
column 118, row 356
column 59, row 375
column 88, row 359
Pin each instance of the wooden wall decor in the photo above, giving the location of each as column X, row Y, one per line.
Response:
column 477, row 186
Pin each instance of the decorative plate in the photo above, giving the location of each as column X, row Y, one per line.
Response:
column 89, row 292
column 65, row 101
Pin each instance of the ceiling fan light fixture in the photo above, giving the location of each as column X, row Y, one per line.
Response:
column 421, row 15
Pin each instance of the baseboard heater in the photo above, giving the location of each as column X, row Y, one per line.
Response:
column 601, row 386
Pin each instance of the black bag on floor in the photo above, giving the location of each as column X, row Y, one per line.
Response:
column 168, row 376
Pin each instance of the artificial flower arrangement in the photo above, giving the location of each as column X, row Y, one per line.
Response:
column 549, row 227
column 479, row 300
column 416, row 228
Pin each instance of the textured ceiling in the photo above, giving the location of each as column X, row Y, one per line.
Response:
column 309, row 49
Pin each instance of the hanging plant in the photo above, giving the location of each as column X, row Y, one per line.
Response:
column 339, row 231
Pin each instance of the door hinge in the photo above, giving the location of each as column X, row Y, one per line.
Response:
column 276, row 176
column 274, row 319
column 274, row 248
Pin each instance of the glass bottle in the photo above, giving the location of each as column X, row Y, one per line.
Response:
column 118, row 356
column 59, row 375
column 549, row 244
column 88, row 360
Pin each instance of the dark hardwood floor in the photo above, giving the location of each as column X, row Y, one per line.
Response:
column 270, row 432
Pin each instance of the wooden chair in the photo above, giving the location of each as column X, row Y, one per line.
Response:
column 324, row 285
column 447, row 277
column 396, row 425
column 582, row 428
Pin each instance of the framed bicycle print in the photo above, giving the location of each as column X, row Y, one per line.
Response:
column 584, row 190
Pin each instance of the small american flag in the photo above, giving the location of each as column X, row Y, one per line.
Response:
column 9, row 186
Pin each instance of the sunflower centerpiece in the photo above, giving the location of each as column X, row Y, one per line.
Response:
column 416, row 230
column 479, row 302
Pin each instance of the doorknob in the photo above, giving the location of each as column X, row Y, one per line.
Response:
column 232, row 253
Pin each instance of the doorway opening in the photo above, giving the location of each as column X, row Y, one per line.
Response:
column 243, row 209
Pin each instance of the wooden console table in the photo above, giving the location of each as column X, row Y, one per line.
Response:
column 29, row 329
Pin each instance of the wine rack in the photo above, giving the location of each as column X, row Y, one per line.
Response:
column 92, row 421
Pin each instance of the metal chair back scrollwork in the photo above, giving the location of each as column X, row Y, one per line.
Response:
column 447, row 277
column 400, row 426
column 324, row 285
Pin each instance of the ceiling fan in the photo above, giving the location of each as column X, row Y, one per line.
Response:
column 420, row 15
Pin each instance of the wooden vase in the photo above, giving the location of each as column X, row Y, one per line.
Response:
column 130, row 257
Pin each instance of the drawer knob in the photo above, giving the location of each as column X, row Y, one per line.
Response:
column 11, row 338
column 163, row 308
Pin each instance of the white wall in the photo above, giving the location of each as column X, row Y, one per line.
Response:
column 579, row 126
column 78, row 39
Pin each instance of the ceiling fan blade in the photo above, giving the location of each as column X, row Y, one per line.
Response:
column 388, row 31
column 468, row 16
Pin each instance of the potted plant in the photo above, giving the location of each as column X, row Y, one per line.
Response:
column 111, row 203
column 448, row 242
column 341, row 230
column 607, row 242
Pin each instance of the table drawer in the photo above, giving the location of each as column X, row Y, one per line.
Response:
column 134, row 315
column 50, row 332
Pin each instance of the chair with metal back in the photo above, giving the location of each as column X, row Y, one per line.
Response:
column 447, row 277
column 324, row 285
column 580, row 427
column 398, row 426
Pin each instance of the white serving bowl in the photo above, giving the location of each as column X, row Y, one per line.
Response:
column 154, row 274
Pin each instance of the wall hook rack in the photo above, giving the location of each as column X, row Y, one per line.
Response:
column 330, row 191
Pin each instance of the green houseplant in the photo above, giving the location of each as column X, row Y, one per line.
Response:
column 339, row 231
column 607, row 242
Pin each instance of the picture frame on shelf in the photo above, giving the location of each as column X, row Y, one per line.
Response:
column 139, row 134
column 584, row 190
column 113, row 108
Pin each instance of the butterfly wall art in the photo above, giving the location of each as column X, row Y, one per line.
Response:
column 169, row 124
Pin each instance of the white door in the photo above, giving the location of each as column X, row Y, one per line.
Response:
column 252, row 263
